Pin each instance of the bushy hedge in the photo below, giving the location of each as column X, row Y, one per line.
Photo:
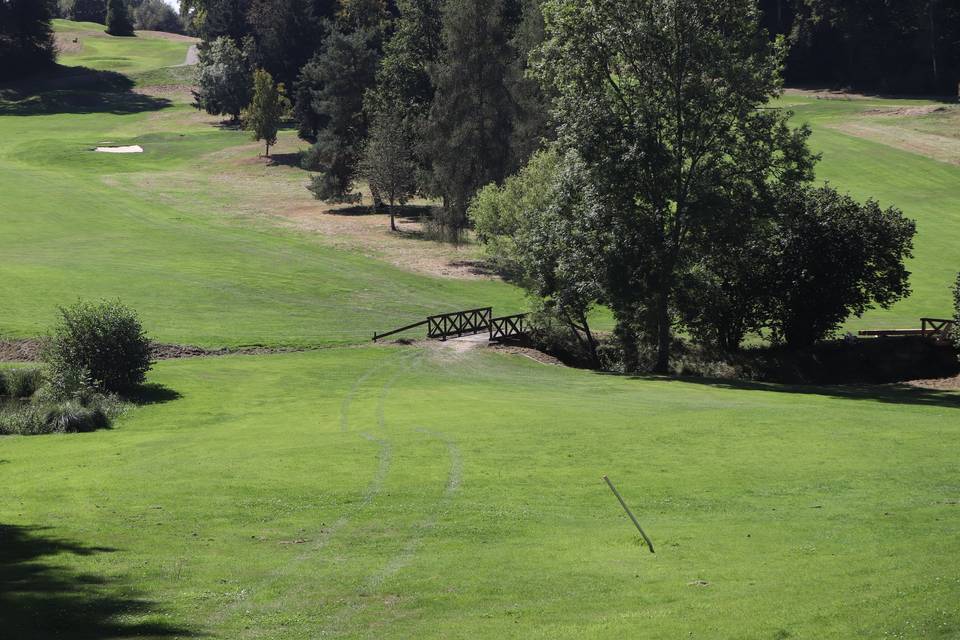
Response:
column 100, row 343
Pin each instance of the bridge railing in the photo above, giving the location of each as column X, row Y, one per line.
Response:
column 508, row 327
column 459, row 323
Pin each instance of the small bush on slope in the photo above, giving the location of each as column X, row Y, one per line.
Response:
column 103, row 342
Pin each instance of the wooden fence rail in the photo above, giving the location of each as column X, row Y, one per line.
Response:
column 936, row 327
column 466, row 323
column 377, row 336
column 508, row 327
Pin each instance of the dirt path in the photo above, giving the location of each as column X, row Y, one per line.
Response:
column 193, row 56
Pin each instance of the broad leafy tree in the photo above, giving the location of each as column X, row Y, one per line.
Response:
column 223, row 78
column 535, row 230
column 388, row 164
column 665, row 102
column 832, row 257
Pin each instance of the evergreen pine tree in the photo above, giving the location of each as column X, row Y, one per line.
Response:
column 118, row 19
column 26, row 37
column 471, row 118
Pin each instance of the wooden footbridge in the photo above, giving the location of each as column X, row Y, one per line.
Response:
column 468, row 323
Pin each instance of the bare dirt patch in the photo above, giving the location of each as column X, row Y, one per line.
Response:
column 164, row 35
column 904, row 112
column 527, row 352
column 941, row 384
column 69, row 43
column 28, row 350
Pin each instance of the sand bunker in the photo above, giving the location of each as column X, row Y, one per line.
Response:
column 131, row 149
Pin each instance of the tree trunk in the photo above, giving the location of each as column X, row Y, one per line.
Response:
column 393, row 222
column 663, row 333
column 628, row 341
column 268, row 150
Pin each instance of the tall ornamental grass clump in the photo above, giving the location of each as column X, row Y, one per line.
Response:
column 101, row 345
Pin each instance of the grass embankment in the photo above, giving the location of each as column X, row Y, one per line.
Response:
column 400, row 493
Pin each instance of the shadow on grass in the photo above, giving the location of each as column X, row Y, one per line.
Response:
column 901, row 394
column 152, row 393
column 75, row 90
column 39, row 598
column 285, row 160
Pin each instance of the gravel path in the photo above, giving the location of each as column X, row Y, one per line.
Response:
column 192, row 56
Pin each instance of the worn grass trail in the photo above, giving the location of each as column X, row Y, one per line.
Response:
column 254, row 507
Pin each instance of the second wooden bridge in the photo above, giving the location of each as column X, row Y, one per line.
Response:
column 467, row 323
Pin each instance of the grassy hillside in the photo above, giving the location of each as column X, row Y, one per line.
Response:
column 398, row 493
column 427, row 492
column 82, row 224
column 863, row 155
column 130, row 55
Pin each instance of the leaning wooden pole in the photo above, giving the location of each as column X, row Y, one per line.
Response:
column 629, row 513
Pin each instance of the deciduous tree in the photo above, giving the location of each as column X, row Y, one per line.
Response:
column 388, row 163
column 666, row 103
column 262, row 117
column 223, row 78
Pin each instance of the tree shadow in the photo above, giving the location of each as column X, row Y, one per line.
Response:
column 76, row 90
column 152, row 393
column 42, row 599
column 901, row 394
column 285, row 160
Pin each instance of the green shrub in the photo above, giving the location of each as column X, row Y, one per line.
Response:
column 20, row 383
column 27, row 418
column 102, row 343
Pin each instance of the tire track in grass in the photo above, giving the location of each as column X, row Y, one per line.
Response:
column 374, row 487
column 335, row 625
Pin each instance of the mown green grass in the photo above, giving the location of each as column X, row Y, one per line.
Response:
column 128, row 55
column 927, row 190
column 399, row 493
column 73, row 228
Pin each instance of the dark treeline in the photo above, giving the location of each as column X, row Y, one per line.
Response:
column 895, row 46
column 26, row 37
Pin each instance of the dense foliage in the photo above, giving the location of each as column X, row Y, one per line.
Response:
column 84, row 10
column 662, row 101
column 262, row 117
column 910, row 46
column 157, row 15
column 224, row 83
column 26, row 37
column 102, row 343
column 387, row 163
column 831, row 257
column 118, row 18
